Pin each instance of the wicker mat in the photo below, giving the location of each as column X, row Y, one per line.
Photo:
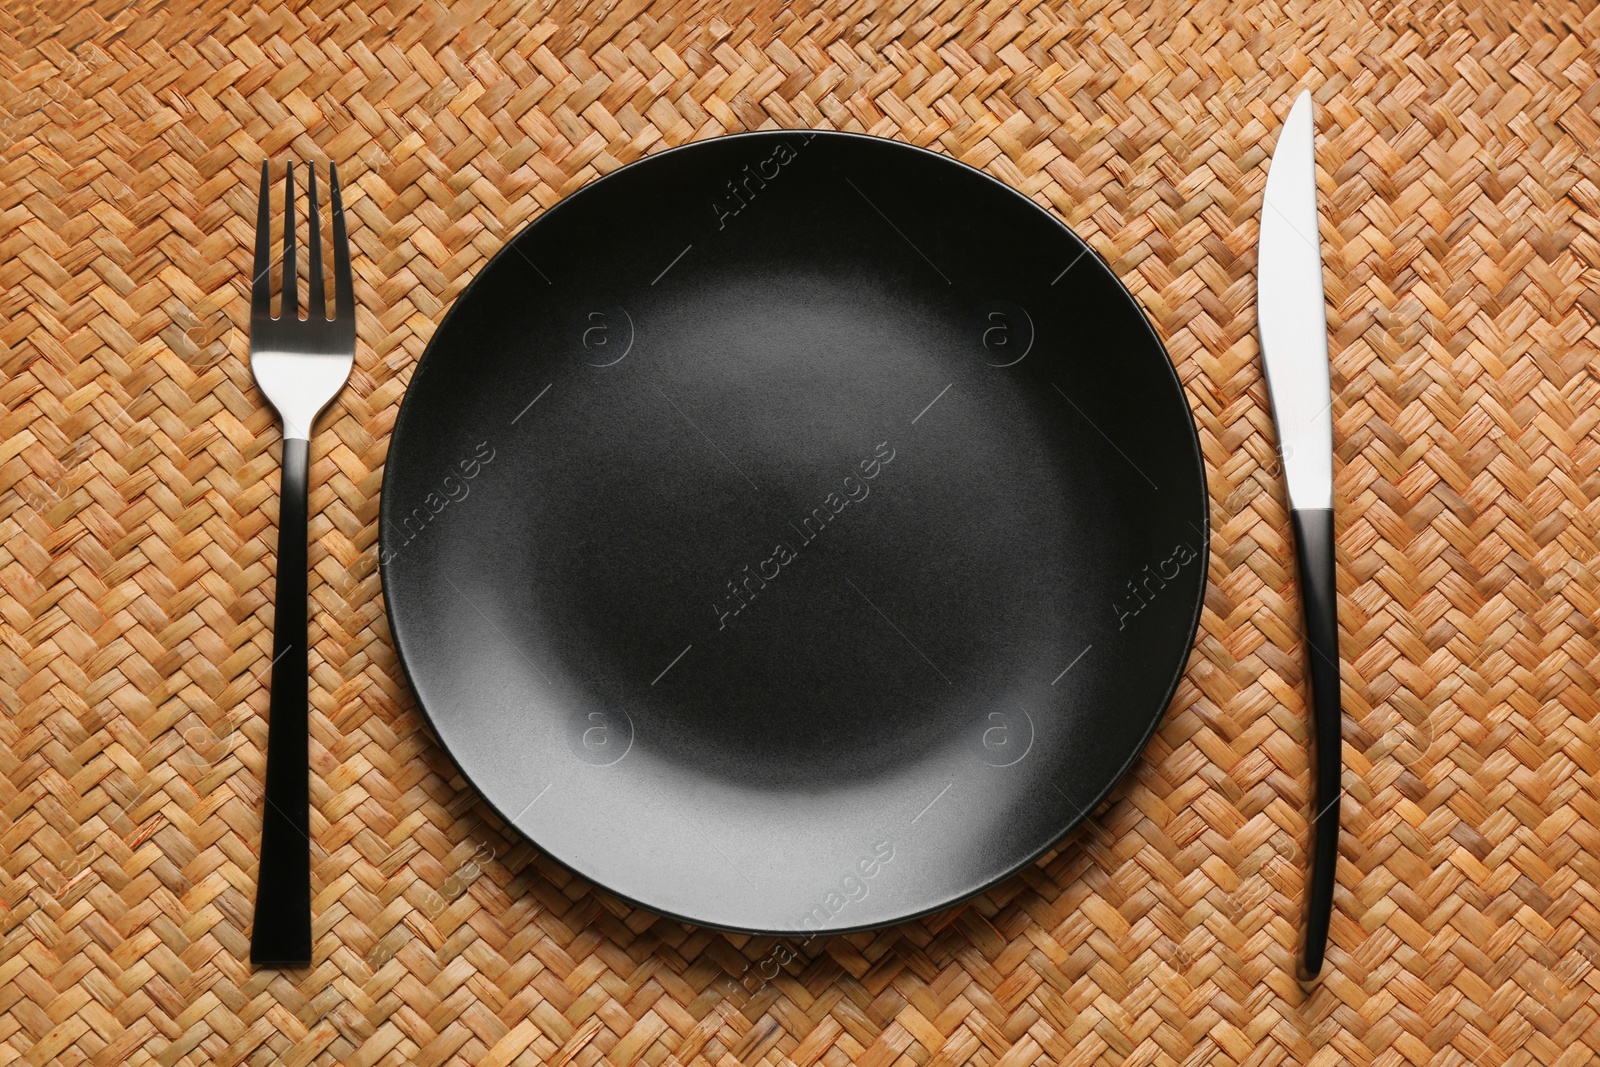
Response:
column 139, row 473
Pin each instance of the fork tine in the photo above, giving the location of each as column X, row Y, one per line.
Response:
column 261, row 278
column 316, row 307
column 344, row 297
column 290, row 308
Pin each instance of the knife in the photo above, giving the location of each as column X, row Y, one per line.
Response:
column 1294, row 347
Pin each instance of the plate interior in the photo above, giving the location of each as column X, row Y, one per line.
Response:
column 794, row 531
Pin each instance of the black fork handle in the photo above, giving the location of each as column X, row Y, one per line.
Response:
column 282, row 935
column 1313, row 539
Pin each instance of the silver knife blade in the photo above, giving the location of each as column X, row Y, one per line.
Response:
column 1292, row 316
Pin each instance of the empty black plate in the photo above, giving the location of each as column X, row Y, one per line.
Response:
column 794, row 531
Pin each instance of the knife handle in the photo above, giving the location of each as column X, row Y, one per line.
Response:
column 1313, row 540
column 282, row 934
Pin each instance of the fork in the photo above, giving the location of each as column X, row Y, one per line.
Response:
column 300, row 364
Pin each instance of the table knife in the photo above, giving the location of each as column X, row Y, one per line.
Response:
column 1294, row 347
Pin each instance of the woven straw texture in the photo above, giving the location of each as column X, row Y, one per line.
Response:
column 139, row 476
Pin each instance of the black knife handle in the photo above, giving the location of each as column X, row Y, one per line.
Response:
column 282, row 935
column 1313, row 540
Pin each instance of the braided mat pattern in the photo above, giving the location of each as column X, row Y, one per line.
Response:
column 138, row 481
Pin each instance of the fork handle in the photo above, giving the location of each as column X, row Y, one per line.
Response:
column 282, row 935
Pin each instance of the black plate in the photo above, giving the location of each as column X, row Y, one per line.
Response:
column 794, row 531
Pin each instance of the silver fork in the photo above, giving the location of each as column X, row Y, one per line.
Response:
column 300, row 364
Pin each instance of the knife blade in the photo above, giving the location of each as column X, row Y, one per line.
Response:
column 1292, row 319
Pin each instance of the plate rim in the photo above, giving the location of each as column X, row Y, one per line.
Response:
column 804, row 937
